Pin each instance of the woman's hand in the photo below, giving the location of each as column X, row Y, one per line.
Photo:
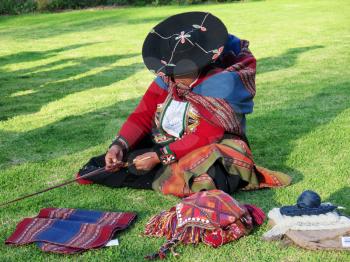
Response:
column 114, row 159
column 150, row 161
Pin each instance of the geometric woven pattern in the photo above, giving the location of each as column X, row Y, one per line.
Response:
column 212, row 217
column 65, row 230
column 211, row 209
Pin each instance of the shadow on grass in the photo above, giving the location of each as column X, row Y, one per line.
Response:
column 71, row 22
column 52, row 84
column 67, row 136
column 341, row 197
column 31, row 56
column 285, row 60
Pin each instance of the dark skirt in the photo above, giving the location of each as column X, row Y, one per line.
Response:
column 125, row 177
column 132, row 178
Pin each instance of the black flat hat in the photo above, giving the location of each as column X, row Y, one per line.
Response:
column 308, row 203
column 184, row 43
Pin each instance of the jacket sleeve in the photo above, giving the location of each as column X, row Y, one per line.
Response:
column 204, row 134
column 139, row 123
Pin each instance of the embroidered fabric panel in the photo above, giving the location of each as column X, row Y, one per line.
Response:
column 166, row 156
column 159, row 136
column 192, row 120
column 172, row 120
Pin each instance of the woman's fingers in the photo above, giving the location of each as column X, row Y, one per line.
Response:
column 138, row 164
column 110, row 166
column 109, row 161
column 114, row 166
column 146, row 161
column 142, row 165
column 113, row 158
column 140, row 161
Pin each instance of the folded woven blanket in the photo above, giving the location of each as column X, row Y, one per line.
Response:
column 65, row 230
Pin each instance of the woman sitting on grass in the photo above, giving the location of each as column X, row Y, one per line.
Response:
column 188, row 132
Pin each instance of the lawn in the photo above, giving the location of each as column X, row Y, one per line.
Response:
column 68, row 81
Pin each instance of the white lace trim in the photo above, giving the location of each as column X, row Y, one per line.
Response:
column 330, row 220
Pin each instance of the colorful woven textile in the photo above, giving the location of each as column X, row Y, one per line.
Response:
column 64, row 230
column 236, row 79
column 212, row 217
column 235, row 156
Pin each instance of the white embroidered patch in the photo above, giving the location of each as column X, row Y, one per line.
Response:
column 345, row 241
column 174, row 118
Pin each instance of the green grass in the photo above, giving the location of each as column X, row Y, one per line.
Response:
column 69, row 80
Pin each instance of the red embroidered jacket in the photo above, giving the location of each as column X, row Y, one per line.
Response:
column 140, row 123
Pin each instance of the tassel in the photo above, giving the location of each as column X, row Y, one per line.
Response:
column 163, row 224
column 165, row 248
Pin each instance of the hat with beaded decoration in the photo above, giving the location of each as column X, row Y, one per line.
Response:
column 184, row 43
